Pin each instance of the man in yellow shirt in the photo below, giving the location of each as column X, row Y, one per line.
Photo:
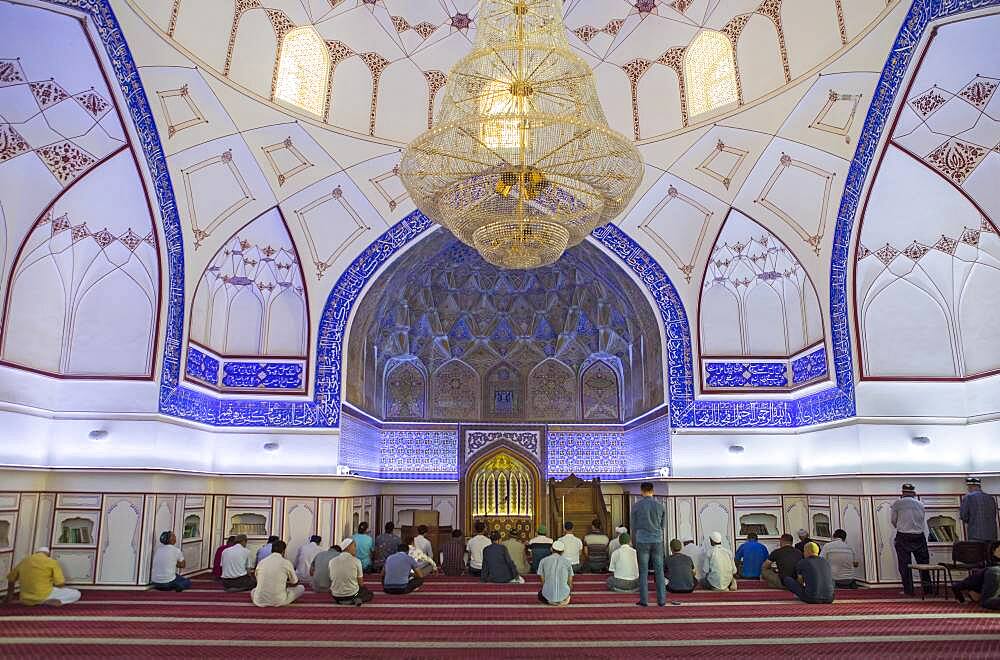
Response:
column 41, row 581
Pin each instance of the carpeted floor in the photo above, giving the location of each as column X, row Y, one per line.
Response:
column 460, row 618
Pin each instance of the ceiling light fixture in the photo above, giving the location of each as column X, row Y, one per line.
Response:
column 521, row 163
column 921, row 441
column 98, row 434
column 736, row 449
column 271, row 446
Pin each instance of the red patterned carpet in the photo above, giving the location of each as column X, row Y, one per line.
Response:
column 458, row 617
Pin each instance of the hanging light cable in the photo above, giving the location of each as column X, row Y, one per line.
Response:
column 521, row 163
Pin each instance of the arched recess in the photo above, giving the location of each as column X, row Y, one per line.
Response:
column 926, row 278
column 249, row 321
column 405, row 390
column 503, row 392
column 600, row 392
column 455, row 392
column 552, row 391
column 759, row 314
column 83, row 301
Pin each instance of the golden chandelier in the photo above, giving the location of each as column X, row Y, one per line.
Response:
column 521, row 163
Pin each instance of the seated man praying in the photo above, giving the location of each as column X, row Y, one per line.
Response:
column 277, row 583
column 498, row 567
column 556, row 574
column 815, row 579
column 624, row 567
column 237, row 565
column 399, row 572
column 167, row 559
column 346, row 576
column 42, row 581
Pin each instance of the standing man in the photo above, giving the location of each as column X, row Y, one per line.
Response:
column 979, row 512
column 647, row 521
column 910, row 521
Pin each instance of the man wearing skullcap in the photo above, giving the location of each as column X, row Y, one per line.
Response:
column 803, row 535
column 42, row 581
column 719, row 567
column 166, row 560
column 979, row 512
column 614, row 542
column 346, row 576
column 815, row 578
column 277, row 583
column 556, row 574
column 540, row 546
column 624, row 567
column 910, row 521
column 518, row 551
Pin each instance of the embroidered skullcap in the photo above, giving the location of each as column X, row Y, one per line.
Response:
column 973, row 481
column 165, row 537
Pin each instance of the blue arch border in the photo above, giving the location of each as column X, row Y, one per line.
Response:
column 324, row 411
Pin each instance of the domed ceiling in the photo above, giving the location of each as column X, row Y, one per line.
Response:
column 439, row 337
column 745, row 173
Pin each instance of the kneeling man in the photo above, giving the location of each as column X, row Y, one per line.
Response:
column 277, row 583
column 815, row 583
column 41, row 581
column 346, row 575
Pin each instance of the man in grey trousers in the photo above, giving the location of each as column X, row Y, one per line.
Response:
column 648, row 518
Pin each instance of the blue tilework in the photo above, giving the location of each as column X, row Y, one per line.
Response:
column 830, row 404
column 809, row 367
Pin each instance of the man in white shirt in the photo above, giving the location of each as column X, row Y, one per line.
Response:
column 841, row 559
column 719, row 566
column 624, row 567
column 910, row 521
column 475, row 548
column 422, row 542
column 346, row 576
column 573, row 546
column 166, row 560
column 304, row 558
column 697, row 555
column 277, row 583
column 614, row 542
column 237, row 564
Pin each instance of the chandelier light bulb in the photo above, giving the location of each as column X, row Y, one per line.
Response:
column 521, row 163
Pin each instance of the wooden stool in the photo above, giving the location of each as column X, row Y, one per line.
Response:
column 938, row 573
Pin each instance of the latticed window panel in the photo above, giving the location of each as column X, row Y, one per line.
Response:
column 710, row 73
column 303, row 70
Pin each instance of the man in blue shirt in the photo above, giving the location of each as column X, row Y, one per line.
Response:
column 750, row 557
column 647, row 522
column 397, row 570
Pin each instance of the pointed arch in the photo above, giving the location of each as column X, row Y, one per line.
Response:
column 455, row 392
column 405, row 390
column 250, row 314
column 303, row 70
column 758, row 312
column 600, row 392
column 552, row 391
column 709, row 73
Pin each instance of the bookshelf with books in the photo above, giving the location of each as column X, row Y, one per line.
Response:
column 192, row 527
column 763, row 524
column 254, row 525
column 76, row 531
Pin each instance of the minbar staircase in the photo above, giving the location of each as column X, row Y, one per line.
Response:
column 583, row 503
